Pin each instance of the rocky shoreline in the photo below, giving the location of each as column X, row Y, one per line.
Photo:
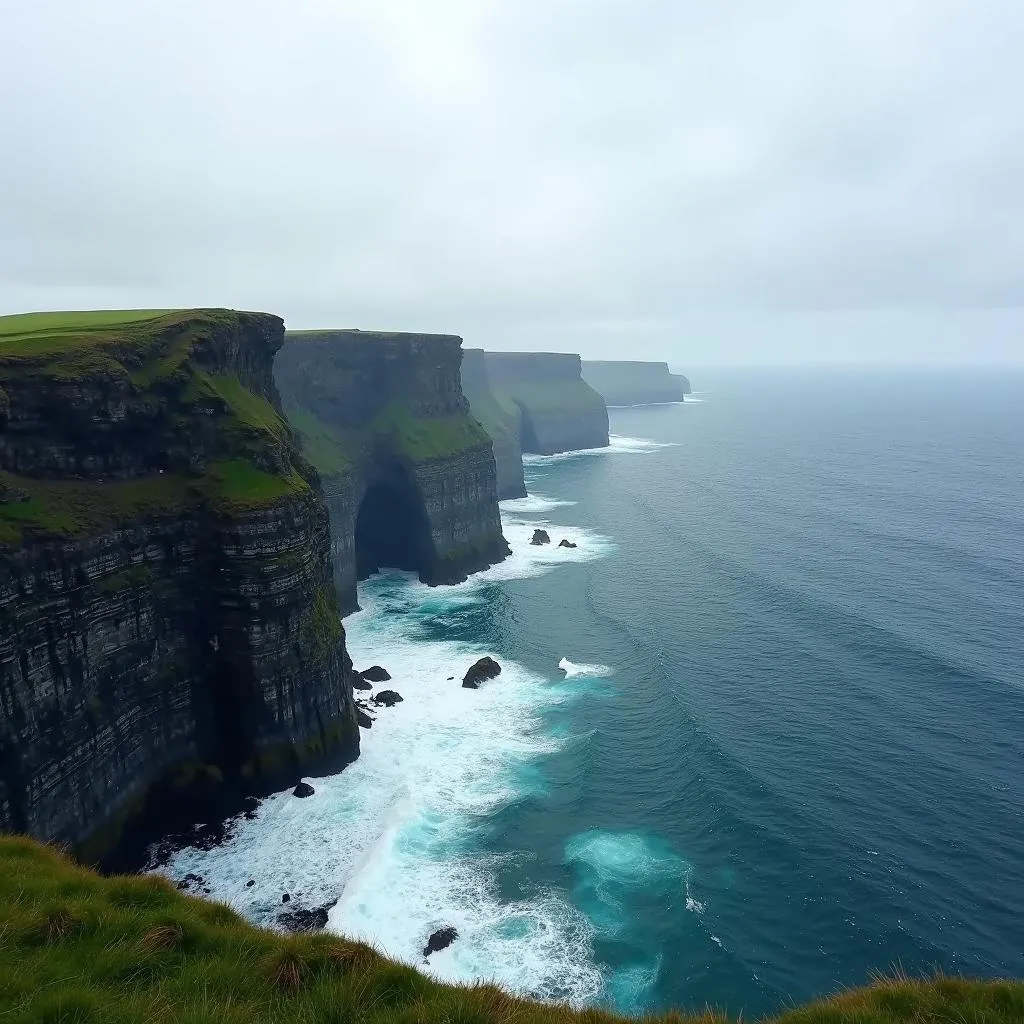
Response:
column 187, row 501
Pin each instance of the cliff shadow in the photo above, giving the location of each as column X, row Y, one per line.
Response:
column 528, row 439
column 392, row 528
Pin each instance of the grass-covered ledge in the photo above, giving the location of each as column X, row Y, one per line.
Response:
column 76, row 947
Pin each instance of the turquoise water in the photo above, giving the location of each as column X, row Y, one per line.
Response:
column 784, row 748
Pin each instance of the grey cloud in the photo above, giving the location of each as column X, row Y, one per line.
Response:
column 738, row 182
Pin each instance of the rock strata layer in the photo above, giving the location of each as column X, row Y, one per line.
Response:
column 168, row 619
column 409, row 475
column 560, row 412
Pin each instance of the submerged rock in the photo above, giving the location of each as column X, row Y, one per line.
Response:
column 540, row 537
column 303, row 790
column 387, row 698
column 306, row 919
column 441, row 939
column 563, row 543
column 486, row 668
column 375, row 674
column 286, row 898
column 364, row 720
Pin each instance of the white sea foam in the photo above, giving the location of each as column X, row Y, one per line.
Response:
column 574, row 671
column 532, row 504
column 399, row 837
column 618, row 444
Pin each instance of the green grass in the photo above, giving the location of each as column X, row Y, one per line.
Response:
column 76, row 948
column 250, row 411
column 20, row 324
column 554, row 396
column 64, row 509
column 321, row 445
column 237, row 485
column 425, row 439
column 70, row 508
column 499, row 417
column 334, row 452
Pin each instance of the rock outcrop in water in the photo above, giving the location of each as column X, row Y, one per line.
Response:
column 560, row 411
column 168, row 619
column 501, row 418
column 629, row 382
column 409, row 475
column 480, row 671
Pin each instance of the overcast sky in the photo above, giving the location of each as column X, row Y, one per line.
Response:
column 733, row 182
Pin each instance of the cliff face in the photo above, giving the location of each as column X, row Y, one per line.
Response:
column 679, row 380
column 624, row 382
column 168, row 619
column 502, row 420
column 409, row 475
column 560, row 412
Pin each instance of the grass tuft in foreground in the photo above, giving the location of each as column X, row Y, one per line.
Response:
column 76, row 948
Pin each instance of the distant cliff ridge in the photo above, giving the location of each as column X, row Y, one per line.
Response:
column 409, row 475
column 168, row 618
column 502, row 420
column 630, row 382
column 560, row 412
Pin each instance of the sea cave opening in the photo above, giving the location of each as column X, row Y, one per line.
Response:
column 392, row 531
column 528, row 441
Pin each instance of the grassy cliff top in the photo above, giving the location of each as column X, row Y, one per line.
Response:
column 76, row 948
column 83, row 319
column 27, row 335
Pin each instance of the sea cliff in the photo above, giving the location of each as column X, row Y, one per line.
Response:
column 630, row 382
column 560, row 411
column 409, row 475
column 501, row 418
column 168, row 619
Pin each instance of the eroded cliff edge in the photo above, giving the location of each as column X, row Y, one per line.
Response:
column 560, row 411
column 168, row 620
column 502, row 420
column 409, row 475
column 632, row 382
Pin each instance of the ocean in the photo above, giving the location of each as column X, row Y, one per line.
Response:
column 760, row 736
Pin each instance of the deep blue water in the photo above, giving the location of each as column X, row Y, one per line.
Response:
column 788, row 753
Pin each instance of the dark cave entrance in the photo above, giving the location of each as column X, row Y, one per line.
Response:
column 392, row 531
column 527, row 435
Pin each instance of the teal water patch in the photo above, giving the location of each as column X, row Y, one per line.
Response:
column 612, row 865
column 615, row 872
column 629, row 987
